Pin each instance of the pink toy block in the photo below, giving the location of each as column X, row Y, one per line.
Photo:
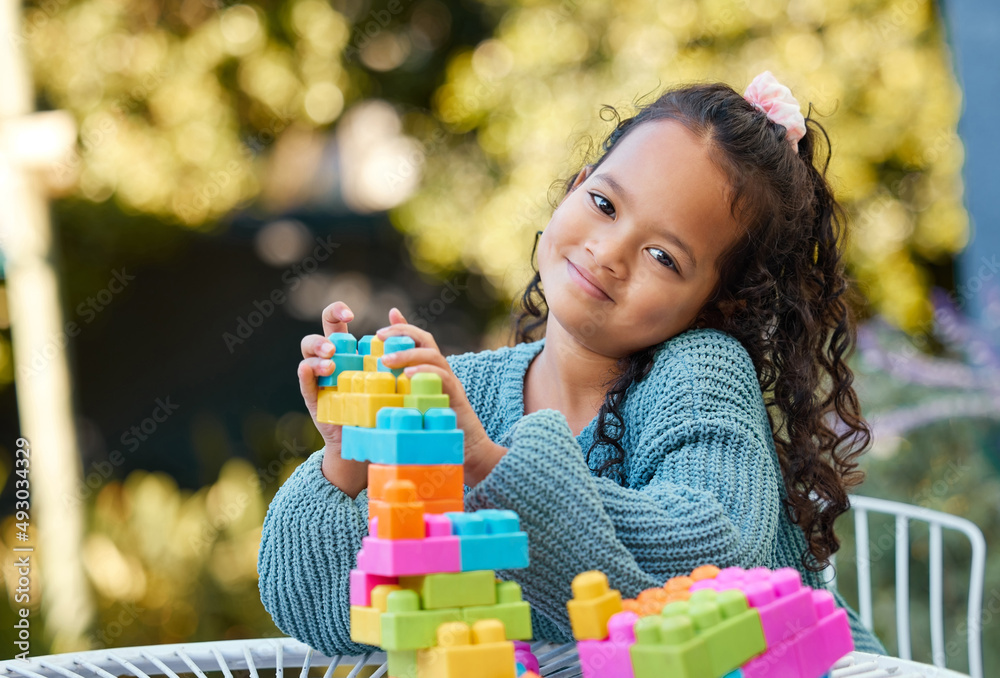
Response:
column 810, row 653
column 785, row 606
column 777, row 662
column 437, row 524
column 406, row 557
column 600, row 658
column 818, row 648
column 362, row 584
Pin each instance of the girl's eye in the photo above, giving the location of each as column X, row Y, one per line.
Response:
column 600, row 197
column 668, row 262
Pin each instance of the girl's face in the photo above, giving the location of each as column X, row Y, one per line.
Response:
column 646, row 227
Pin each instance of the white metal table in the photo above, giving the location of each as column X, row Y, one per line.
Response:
column 277, row 655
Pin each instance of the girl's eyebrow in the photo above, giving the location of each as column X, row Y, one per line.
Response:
column 627, row 199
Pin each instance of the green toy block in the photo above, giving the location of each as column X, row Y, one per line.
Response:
column 406, row 627
column 459, row 589
column 724, row 622
column 514, row 612
column 667, row 646
column 402, row 663
column 425, row 392
column 706, row 636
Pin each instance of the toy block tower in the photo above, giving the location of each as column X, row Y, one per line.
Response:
column 709, row 624
column 425, row 588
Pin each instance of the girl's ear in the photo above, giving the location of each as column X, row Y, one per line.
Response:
column 581, row 177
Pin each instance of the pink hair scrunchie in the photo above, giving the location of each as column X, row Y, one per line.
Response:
column 776, row 100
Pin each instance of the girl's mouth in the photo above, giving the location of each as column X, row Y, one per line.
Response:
column 587, row 286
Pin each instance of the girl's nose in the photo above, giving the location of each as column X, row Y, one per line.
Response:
column 608, row 251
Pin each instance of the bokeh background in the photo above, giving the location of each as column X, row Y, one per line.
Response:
column 187, row 183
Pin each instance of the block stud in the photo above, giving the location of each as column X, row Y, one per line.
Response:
column 453, row 634
column 590, row 585
column 488, row 631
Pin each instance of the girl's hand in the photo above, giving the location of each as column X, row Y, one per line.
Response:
column 481, row 453
column 318, row 360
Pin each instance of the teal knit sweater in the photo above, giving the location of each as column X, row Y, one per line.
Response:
column 701, row 485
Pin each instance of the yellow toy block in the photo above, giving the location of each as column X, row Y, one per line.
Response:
column 338, row 408
column 359, row 395
column 460, row 652
column 379, row 392
column 366, row 627
column 592, row 605
column 324, row 404
column 403, row 385
column 380, row 596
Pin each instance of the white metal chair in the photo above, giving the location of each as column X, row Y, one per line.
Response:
column 936, row 520
column 218, row 659
column 276, row 656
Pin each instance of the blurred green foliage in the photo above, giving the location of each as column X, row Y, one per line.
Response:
column 176, row 99
column 178, row 104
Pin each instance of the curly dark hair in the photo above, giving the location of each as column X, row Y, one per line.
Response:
column 782, row 292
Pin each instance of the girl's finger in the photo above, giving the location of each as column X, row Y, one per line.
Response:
column 318, row 367
column 307, row 383
column 396, row 316
column 335, row 318
column 415, row 356
column 316, row 345
column 422, row 338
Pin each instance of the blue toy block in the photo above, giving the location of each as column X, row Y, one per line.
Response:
column 344, row 342
column 342, row 363
column 490, row 540
column 393, row 344
column 365, row 345
column 403, row 436
column 345, row 357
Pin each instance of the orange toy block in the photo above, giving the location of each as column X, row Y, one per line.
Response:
column 437, row 506
column 434, row 481
column 705, row 572
column 652, row 601
column 401, row 515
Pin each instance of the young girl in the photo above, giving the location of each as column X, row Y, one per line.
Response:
column 692, row 268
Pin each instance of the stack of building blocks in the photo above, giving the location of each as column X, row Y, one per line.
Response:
column 424, row 588
column 732, row 623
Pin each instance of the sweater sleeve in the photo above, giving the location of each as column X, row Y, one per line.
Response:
column 698, row 507
column 309, row 542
